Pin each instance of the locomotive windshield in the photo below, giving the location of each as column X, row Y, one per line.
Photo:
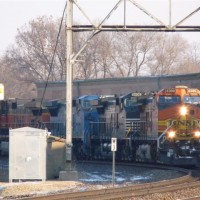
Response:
column 88, row 101
column 130, row 102
column 169, row 99
column 192, row 99
column 85, row 104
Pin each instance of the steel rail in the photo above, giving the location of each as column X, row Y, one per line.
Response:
column 191, row 198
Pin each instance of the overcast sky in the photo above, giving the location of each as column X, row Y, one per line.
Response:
column 16, row 13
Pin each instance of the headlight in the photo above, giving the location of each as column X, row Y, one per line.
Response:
column 183, row 110
column 171, row 134
column 197, row 134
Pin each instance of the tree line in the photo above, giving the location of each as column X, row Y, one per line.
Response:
column 108, row 55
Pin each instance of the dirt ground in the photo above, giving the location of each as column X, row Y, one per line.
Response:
column 20, row 189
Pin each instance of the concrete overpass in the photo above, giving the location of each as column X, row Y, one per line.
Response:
column 57, row 89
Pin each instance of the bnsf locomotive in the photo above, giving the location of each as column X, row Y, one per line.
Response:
column 178, row 125
column 159, row 127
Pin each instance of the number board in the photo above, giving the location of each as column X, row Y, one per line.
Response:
column 170, row 90
column 113, row 144
column 192, row 90
column 136, row 94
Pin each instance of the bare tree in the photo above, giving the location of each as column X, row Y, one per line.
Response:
column 104, row 55
column 84, row 68
column 131, row 52
column 191, row 60
column 15, row 88
column 167, row 54
column 97, row 62
column 32, row 54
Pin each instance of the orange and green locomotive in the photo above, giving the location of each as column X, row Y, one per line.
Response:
column 178, row 124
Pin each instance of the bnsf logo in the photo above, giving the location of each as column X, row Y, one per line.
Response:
column 187, row 123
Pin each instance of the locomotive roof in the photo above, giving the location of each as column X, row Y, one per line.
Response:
column 89, row 97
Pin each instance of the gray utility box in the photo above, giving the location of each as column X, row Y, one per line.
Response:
column 35, row 155
column 27, row 154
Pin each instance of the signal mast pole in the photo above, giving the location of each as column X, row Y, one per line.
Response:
column 69, row 173
column 69, row 79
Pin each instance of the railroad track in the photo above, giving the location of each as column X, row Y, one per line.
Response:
column 184, row 182
column 191, row 198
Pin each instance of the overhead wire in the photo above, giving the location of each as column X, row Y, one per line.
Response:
column 52, row 60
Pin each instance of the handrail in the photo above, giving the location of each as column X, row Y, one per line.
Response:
column 163, row 134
